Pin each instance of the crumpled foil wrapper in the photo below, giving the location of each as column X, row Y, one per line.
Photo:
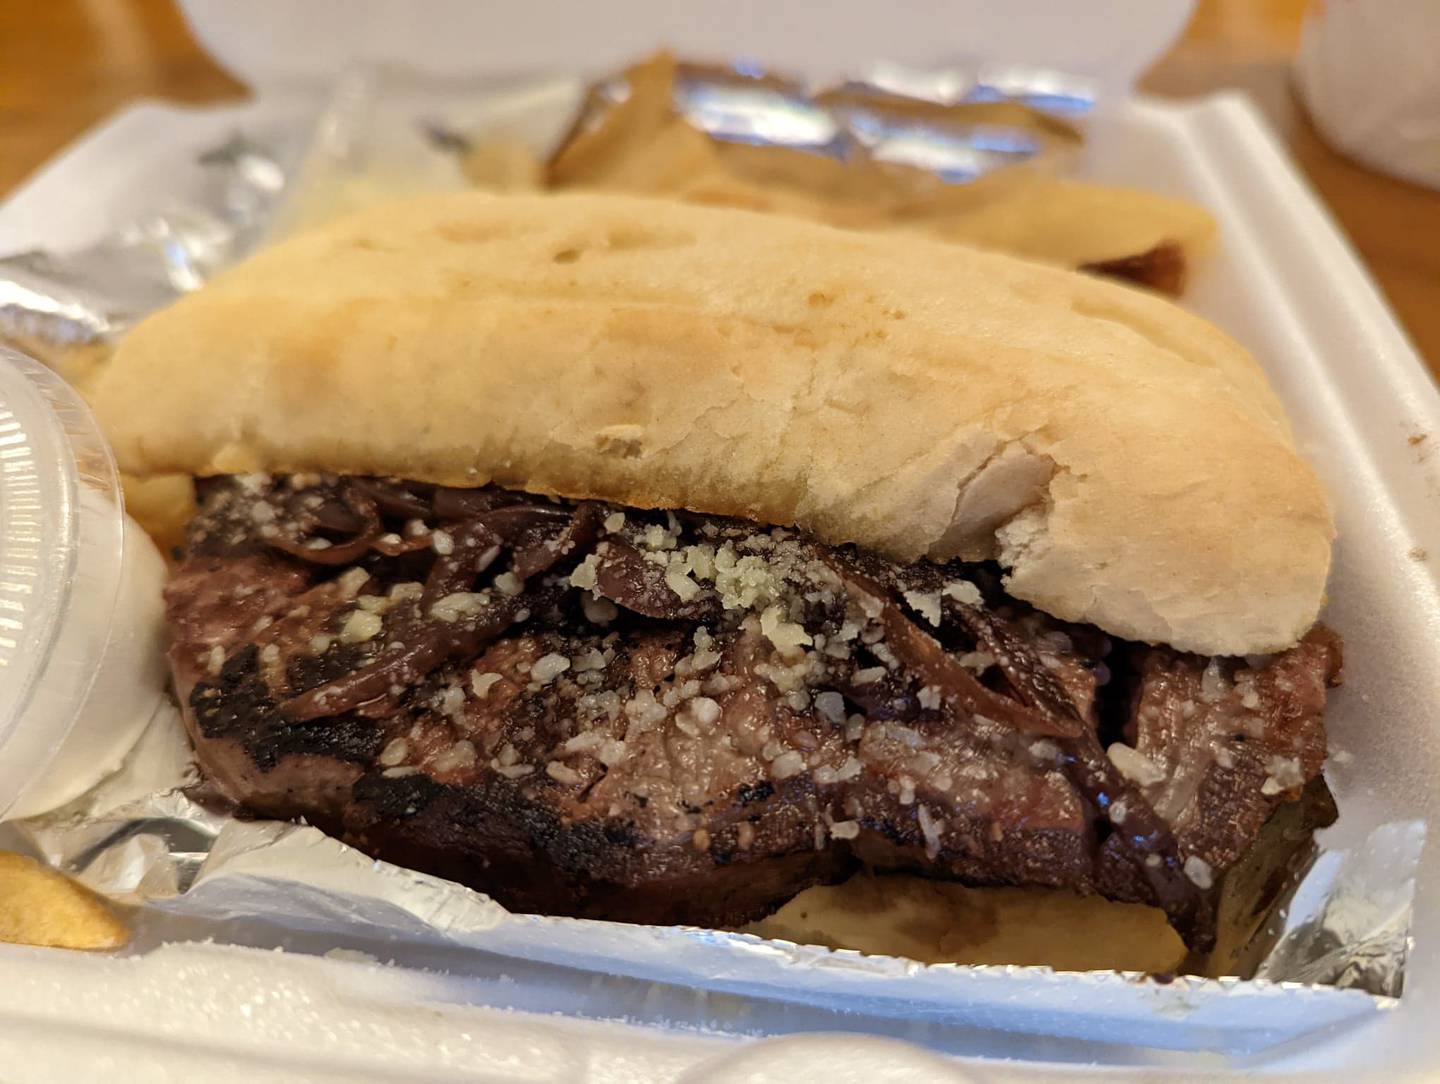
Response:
column 94, row 293
column 142, row 839
column 894, row 116
column 1348, row 923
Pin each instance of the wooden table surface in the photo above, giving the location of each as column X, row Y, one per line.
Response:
column 66, row 64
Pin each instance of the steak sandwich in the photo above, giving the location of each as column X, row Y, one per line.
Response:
column 643, row 561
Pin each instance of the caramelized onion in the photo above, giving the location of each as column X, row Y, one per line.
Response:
column 624, row 577
column 456, row 571
column 427, row 644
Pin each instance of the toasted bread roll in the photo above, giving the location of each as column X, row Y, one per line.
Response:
column 1125, row 462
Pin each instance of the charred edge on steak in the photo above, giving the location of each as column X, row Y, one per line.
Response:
column 589, row 709
column 239, row 706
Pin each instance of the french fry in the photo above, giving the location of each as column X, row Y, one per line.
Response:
column 937, row 922
column 162, row 505
column 503, row 165
column 640, row 141
column 39, row 906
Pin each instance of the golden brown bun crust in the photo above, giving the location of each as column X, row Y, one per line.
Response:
column 1126, row 462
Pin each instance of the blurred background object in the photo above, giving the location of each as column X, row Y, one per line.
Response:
column 1250, row 45
column 1369, row 74
column 67, row 64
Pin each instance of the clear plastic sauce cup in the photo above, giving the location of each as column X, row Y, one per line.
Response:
column 81, row 614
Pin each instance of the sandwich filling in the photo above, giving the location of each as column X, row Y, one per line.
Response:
column 653, row 716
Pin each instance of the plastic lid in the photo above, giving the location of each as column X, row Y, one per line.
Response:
column 275, row 44
column 61, row 549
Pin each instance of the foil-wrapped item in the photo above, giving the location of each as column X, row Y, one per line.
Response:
column 92, row 294
column 954, row 130
column 859, row 120
column 1055, row 93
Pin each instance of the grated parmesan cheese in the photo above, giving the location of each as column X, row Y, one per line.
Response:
column 1199, row 872
column 561, row 773
column 359, row 627
column 394, row 753
column 350, row 581
column 459, row 604
column 1134, row 765
column 926, row 604
column 548, row 667
column 786, row 765
column 785, row 635
column 963, row 592
column 481, row 683
column 460, row 755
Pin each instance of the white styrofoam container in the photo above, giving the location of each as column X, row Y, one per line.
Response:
column 1284, row 282
column 272, row 44
column 82, row 627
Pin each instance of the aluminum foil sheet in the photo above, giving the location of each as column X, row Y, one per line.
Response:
column 140, row 837
column 929, row 121
column 195, row 872
column 94, row 293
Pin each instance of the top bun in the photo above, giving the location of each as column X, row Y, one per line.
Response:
column 1125, row 462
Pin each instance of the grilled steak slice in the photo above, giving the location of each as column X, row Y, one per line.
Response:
column 1213, row 743
column 589, row 710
